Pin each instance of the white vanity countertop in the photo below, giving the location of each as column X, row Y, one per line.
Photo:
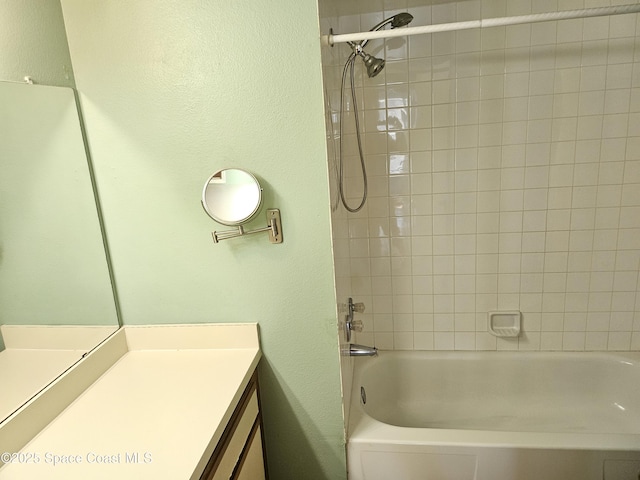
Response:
column 157, row 413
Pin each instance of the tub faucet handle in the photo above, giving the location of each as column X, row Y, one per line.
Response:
column 356, row 325
column 355, row 307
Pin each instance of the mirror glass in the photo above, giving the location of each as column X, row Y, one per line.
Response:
column 56, row 295
column 231, row 196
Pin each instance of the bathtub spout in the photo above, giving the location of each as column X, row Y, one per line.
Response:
column 355, row 350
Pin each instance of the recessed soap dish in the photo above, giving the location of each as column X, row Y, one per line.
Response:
column 505, row 324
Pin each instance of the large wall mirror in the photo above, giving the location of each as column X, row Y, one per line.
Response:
column 56, row 295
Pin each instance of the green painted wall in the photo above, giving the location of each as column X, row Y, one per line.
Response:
column 34, row 43
column 171, row 92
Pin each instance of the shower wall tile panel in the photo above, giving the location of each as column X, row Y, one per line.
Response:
column 503, row 174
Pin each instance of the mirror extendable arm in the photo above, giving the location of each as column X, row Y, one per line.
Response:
column 274, row 228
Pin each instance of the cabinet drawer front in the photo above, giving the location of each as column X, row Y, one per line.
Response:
column 253, row 466
column 238, row 440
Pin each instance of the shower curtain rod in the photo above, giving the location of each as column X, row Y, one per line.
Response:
column 488, row 22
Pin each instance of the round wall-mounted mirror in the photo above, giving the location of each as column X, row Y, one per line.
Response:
column 231, row 196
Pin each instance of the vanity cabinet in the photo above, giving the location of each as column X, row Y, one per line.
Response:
column 239, row 454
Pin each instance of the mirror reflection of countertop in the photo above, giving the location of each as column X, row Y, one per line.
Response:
column 34, row 355
column 157, row 412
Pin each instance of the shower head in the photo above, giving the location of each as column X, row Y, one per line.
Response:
column 401, row 20
column 398, row 20
column 374, row 65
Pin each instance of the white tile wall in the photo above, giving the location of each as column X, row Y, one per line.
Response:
column 504, row 173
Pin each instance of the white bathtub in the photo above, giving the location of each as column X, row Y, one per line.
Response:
column 495, row 416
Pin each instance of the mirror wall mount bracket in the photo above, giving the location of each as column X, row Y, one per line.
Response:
column 274, row 228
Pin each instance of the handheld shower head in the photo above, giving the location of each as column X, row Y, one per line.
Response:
column 398, row 20
column 401, row 20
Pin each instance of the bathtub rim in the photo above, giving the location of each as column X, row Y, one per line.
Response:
column 364, row 429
